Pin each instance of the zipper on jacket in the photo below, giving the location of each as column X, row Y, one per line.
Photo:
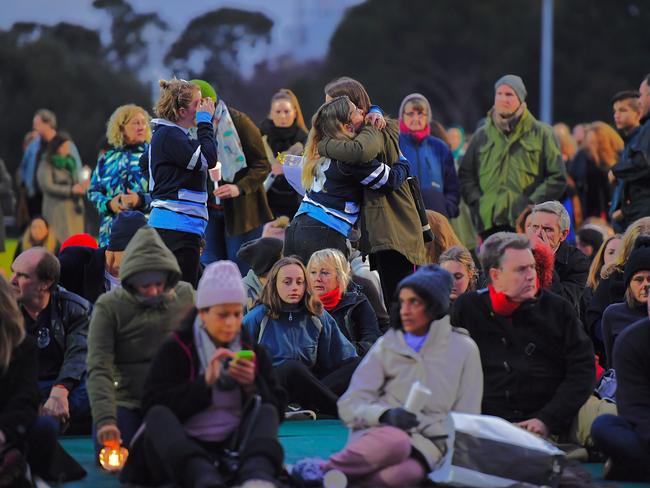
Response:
column 290, row 316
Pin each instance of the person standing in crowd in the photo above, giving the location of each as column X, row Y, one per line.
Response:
column 332, row 204
column 45, row 127
column 538, row 363
column 625, row 438
column 633, row 169
column 459, row 263
column 588, row 240
column 311, row 356
column 177, row 170
column 391, row 229
column 549, row 222
column 429, row 158
column 91, row 272
column 128, row 326
column 283, row 132
column 444, row 236
column 203, row 401
column 20, row 397
column 38, row 234
column 627, row 119
column 389, row 445
column 117, row 183
column 260, row 254
column 63, row 191
column 511, row 162
column 330, row 280
column 240, row 209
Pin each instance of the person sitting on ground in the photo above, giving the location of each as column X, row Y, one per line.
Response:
column 390, row 445
column 38, row 234
column 550, row 222
column 330, row 281
column 588, row 240
column 202, row 399
column 618, row 316
column 260, row 254
column 79, row 240
column 128, row 326
column 459, row 263
column 311, row 356
column 58, row 320
column 90, row 272
column 538, row 363
column 20, row 397
column 602, row 259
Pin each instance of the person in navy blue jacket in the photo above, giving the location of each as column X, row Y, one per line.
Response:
column 177, row 167
column 311, row 357
column 429, row 157
column 331, row 206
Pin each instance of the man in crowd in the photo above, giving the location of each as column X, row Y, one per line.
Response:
column 58, row 320
column 538, row 363
column 633, row 168
column 511, row 162
column 550, row 222
column 90, row 272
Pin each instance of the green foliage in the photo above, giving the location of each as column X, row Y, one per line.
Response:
column 59, row 68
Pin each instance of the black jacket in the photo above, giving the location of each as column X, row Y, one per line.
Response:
column 174, row 381
column 69, row 319
column 609, row 290
column 617, row 318
column 82, row 271
column 19, row 393
column 356, row 319
column 632, row 365
column 633, row 169
column 539, row 365
column 570, row 273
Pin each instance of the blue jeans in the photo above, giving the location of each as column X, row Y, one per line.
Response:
column 219, row 245
column 616, row 438
column 128, row 421
column 77, row 399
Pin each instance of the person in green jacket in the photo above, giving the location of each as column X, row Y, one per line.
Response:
column 128, row 326
column 511, row 162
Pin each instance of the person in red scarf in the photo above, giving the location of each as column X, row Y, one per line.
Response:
column 329, row 278
column 429, row 158
column 538, row 364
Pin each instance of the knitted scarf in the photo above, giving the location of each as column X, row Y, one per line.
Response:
column 501, row 304
column 507, row 123
column 418, row 135
column 331, row 299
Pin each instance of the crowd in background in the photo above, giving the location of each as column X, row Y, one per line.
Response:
column 244, row 274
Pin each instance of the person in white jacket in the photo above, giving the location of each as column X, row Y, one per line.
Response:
column 389, row 445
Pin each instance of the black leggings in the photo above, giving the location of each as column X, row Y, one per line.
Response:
column 305, row 236
column 392, row 267
column 186, row 247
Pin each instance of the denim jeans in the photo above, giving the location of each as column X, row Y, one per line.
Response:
column 219, row 245
column 306, row 235
column 77, row 399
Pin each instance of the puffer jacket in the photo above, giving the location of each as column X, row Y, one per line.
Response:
column 448, row 364
column 501, row 174
column 125, row 334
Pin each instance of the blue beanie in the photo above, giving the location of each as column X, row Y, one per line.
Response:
column 125, row 225
column 433, row 284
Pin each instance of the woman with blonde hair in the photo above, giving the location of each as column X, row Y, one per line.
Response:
column 611, row 288
column 334, row 190
column 20, row 396
column 283, row 132
column 444, row 236
column 177, row 168
column 117, row 183
column 330, row 280
column 38, row 234
column 460, row 264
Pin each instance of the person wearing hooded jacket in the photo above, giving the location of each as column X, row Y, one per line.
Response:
column 129, row 325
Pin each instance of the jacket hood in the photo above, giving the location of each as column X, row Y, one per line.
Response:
column 147, row 252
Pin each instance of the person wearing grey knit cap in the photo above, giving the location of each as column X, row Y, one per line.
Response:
column 512, row 161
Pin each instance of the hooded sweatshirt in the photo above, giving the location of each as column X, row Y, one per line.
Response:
column 125, row 333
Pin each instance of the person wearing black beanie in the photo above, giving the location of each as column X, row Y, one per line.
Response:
column 260, row 254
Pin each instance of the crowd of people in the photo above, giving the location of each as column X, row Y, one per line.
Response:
column 505, row 271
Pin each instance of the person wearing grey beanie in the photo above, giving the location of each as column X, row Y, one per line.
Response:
column 512, row 161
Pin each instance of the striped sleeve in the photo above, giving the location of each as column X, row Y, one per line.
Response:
column 379, row 176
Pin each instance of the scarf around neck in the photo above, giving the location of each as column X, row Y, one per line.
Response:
column 331, row 299
column 229, row 149
column 507, row 123
column 418, row 135
column 281, row 139
column 501, row 304
column 205, row 346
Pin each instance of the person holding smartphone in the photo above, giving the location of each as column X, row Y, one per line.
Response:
column 210, row 391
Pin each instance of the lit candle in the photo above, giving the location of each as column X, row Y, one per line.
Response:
column 113, row 458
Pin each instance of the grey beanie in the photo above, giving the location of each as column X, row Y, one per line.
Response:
column 516, row 83
column 412, row 98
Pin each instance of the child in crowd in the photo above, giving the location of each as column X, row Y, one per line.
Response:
column 210, row 392
column 312, row 358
